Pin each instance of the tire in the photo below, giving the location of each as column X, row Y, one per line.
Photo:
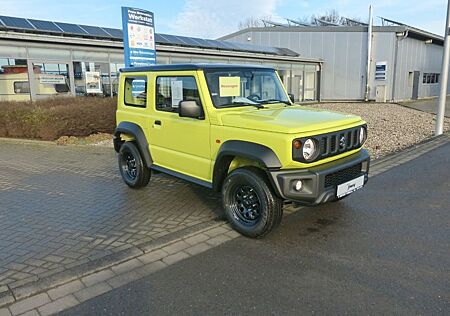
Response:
column 132, row 167
column 250, row 205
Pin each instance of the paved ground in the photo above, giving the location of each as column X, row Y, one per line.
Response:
column 62, row 207
column 383, row 250
column 428, row 105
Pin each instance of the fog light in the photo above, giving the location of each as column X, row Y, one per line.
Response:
column 298, row 185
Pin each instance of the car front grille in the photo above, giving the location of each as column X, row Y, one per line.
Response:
column 336, row 143
column 343, row 175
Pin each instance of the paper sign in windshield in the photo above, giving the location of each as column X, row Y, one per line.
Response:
column 229, row 86
column 177, row 92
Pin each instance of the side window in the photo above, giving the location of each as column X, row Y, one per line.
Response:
column 170, row 91
column 21, row 87
column 135, row 93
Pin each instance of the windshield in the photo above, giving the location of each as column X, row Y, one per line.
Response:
column 241, row 87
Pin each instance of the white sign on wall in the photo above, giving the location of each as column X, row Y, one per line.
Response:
column 52, row 79
column 93, row 82
column 380, row 70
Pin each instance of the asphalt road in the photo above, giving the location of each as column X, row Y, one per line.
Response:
column 383, row 250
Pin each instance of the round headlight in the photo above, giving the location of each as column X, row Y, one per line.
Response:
column 362, row 135
column 309, row 149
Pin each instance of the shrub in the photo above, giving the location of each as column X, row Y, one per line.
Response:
column 52, row 118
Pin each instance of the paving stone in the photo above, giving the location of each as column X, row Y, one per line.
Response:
column 92, row 291
column 5, row 312
column 30, row 303
column 153, row 256
column 176, row 247
column 150, row 268
column 175, row 257
column 126, row 266
column 216, row 231
column 33, row 312
column 199, row 248
column 196, row 239
column 218, row 240
column 97, row 277
column 123, row 279
column 65, row 289
column 58, row 305
column 39, row 177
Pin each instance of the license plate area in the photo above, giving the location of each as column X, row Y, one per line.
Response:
column 350, row 186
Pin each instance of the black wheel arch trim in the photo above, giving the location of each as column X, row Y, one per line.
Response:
column 136, row 131
column 232, row 148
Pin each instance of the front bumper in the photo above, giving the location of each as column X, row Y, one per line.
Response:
column 320, row 182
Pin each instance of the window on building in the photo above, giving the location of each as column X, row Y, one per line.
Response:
column 14, row 82
column 170, row 91
column 136, row 91
column 430, row 78
column 51, row 78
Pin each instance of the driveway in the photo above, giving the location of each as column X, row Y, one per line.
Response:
column 427, row 105
column 383, row 250
column 64, row 208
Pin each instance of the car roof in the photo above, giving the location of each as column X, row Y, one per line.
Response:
column 196, row 66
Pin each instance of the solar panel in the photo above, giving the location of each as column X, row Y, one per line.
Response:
column 71, row 28
column 16, row 22
column 116, row 33
column 45, row 25
column 94, row 30
column 161, row 39
column 174, row 40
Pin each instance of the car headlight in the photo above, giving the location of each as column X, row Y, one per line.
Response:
column 362, row 135
column 309, row 150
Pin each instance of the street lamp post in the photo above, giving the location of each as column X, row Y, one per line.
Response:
column 444, row 77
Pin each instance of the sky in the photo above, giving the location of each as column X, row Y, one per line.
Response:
column 215, row 18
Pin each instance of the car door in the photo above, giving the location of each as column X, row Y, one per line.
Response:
column 179, row 144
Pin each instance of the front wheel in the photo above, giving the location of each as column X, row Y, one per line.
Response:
column 250, row 205
column 132, row 167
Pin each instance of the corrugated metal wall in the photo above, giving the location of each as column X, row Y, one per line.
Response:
column 344, row 55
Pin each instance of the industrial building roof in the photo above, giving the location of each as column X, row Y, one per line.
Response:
column 8, row 23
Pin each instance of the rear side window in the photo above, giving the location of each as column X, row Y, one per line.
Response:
column 135, row 93
column 21, row 87
column 170, row 91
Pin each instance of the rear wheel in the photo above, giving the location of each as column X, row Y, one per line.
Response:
column 250, row 204
column 132, row 167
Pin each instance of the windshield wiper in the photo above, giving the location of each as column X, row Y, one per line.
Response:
column 257, row 105
column 275, row 101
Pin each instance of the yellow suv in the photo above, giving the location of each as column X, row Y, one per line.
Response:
column 234, row 129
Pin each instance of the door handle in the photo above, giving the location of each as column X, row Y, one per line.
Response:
column 158, row 122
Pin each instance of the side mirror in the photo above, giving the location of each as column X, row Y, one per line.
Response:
column 190, row 109
column 291, row 97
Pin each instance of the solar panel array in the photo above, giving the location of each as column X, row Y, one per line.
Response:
column 60, row 28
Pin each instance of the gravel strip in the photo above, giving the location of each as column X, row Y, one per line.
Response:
column 392, row 127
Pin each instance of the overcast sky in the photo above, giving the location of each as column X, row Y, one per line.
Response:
column 215, row 18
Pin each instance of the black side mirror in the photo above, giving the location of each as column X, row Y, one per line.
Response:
column 191, row 109
column 291, row 97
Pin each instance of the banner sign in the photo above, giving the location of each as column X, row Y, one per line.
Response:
column 138, row 37
column 93, row 82
column 52, row 79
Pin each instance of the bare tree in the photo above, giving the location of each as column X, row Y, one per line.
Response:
column 250, row 22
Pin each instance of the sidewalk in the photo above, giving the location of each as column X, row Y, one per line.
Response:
column 427, row 105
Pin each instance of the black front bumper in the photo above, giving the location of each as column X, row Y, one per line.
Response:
column 320, row 182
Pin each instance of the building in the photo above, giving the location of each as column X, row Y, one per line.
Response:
column 405, row 61
column 39, row 58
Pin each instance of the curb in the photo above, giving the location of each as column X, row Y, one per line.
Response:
column 10, row 295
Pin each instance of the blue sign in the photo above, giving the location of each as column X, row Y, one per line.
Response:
column 138, row 37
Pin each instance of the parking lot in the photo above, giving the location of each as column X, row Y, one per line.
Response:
column 65, row 207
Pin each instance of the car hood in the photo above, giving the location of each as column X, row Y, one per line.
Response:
column 292, row 119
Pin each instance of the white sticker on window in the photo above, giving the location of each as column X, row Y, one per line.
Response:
column 177, row 92
column 230, row 86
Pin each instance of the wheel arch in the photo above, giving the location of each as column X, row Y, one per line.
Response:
column 136, row 132
column 231, row 149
